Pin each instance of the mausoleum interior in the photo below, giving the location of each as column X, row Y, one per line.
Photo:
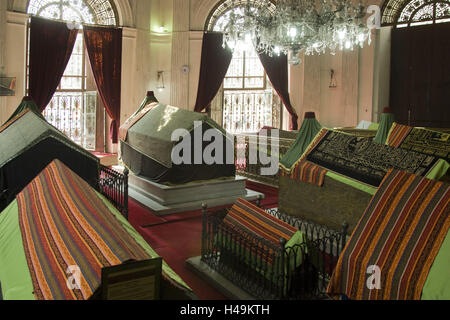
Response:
column 224, row 150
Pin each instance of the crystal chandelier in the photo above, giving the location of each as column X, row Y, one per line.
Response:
column 297, row 26
column 239, row 30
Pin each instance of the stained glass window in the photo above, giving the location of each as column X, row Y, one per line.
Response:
column 249, row 102
column 219, row 16
column 405, row 13
column 98, row 12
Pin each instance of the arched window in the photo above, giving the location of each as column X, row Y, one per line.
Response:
column 247, row 102
column 404, row 13
column 99, row 12
column 220, row 14
column 73, row 108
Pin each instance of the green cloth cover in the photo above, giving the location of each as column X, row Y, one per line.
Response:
column 28, row 131
column 15, row 276
column 437, row 285
column 152, row 134
column 387, row 119
column 309, row 129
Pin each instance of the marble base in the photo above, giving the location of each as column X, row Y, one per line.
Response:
column 216, row 280
column 163, row 199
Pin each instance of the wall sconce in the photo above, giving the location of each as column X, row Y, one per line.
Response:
column 160, row 30
column 7, row 86
column 160, row 84
column 332, row 79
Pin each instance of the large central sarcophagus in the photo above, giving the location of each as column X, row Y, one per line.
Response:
column 178, row 159
column 153, row 135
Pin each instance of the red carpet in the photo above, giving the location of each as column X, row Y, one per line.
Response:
column 175, row 241
column 177, row 237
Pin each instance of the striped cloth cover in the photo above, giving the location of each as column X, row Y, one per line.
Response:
column 307, row 172
column 64, row 223
column 256, row 221
column 397, row 135
column 400, row 232
column 304, row 170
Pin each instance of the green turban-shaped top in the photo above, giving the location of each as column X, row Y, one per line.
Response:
column 387, row 119
column 309, row 129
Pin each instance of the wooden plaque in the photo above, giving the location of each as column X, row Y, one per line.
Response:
column 132, row 281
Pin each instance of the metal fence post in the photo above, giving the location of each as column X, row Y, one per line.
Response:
column 204, row 231
column 344, row 235
column 258, row 201
column 126, row 172
column 282, row 266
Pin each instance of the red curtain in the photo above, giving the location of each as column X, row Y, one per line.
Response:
column 104, row 47
column 214, row 66
column 51, row 45
column 277, row 70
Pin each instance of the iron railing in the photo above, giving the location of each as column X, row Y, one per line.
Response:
column 244, row 147
column 114, row 186
column 269, row 271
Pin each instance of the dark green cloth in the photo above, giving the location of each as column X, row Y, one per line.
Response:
column 309, row 129
column 152, row 134
column 24, row 105
column 387, row 119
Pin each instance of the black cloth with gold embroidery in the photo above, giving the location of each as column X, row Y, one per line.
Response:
column 364, row 160
column 421, row 140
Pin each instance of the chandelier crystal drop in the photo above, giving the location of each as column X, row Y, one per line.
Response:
column 295, row 26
